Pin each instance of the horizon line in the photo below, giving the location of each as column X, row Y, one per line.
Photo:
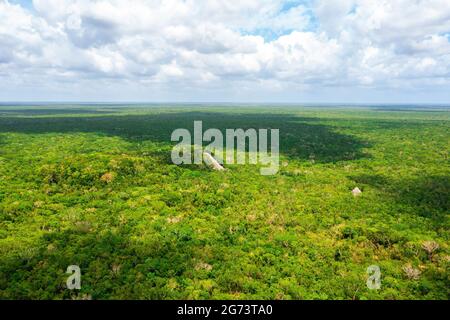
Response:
column 339, row 103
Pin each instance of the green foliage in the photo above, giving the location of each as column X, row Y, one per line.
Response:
column 95, row 187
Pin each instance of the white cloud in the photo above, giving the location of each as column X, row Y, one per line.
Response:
column 207, row 45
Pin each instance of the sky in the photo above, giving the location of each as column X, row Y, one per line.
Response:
column 291, row 51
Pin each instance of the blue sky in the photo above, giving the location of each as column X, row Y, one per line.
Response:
column 357, row 51
column 28, row 4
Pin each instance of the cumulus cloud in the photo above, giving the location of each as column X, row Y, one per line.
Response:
column 205, row 45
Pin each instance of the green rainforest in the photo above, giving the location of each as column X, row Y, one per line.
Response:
column 94, row 186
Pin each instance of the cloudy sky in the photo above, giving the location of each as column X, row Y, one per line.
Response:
column 225, row 50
